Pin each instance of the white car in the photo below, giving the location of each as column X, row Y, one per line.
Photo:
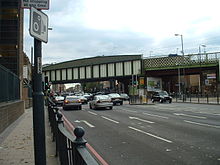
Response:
column 101, row 101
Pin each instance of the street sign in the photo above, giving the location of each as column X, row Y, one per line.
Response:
column 42, row 4
column 38, row 25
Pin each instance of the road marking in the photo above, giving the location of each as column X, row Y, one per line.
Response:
column 92, row 113
column 149, row 134
column 131, row 111
column 202, row 124
column 86, row 122
column 155, row 115
column 110, row 119
column 181, row 114
column 136, row 118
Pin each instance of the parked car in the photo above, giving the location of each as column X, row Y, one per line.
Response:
column 101, row 101
column 58, row 100
column 124, row 96
column 72, row 102
column 161, row 96
column 116, row 98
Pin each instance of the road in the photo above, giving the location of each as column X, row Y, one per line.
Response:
column 159, row 134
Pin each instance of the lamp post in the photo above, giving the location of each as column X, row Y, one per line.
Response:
column 181, row 36
column 182, row 51
column 201, row 45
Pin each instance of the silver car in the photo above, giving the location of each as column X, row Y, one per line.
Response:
column 101, row 101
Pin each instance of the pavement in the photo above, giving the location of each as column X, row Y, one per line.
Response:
column 17, row 145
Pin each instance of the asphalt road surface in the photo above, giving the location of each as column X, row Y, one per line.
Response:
column 160, row 134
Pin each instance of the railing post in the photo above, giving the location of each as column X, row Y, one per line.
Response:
column 78, row 142
column 59, row 120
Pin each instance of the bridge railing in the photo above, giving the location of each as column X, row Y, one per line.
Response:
column 70, row 149
column 180, row 61
column 9, row 85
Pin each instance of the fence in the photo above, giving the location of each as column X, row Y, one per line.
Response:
column 198, row 98
column 70, row 151
column 186, row 98
column 9, row 85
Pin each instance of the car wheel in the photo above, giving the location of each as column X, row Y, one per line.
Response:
column 121, row 103
column 110, row 107
column 80, row 107
column 161, row 100
column 90, row 106
column 170, row 101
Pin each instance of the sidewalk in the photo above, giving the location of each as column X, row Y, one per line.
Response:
column 17, row 145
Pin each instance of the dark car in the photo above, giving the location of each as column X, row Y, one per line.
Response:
column 116, row 98
column 161, row 96
column 72, row 102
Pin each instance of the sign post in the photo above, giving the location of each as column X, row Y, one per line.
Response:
column 39, row 30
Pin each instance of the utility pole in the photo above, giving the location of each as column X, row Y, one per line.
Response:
column 38, row 107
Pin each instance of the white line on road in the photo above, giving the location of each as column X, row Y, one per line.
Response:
column 198, row 117
column 86, row 122
column 149, row 134
column 136, row 118
column 110, row 119
column 155, row 115
column 92, row 113
column 202, row 124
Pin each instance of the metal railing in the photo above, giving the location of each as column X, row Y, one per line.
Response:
column 69, row 150
column 9, row 85
column 199, row 60
column 198, row 98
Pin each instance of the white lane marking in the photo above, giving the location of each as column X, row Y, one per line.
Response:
column 149, row 134
column 86, row 122
column 181, row 114
column 110, row 119
column 155, row 115
column 136, row 118
column 92, row 113
column 202, row 124
column 131, row 111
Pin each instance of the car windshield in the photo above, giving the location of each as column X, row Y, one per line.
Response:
column 114, row 95
column 103, row 97
column 163, row 93
column 72, row 98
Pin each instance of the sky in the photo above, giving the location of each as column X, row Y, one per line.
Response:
column 89, row 28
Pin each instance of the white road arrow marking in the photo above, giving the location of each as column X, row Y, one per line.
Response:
column 86, row 122
column 136, row 118
column 181, row 114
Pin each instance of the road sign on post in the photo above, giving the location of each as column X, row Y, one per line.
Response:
column 42, row 4
column 38, row 25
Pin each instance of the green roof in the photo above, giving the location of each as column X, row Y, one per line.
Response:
column 93, row 61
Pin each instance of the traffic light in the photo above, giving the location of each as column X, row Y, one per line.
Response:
column 46, row 83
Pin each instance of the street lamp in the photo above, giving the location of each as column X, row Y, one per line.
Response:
column 201, row 45
column 181, row 36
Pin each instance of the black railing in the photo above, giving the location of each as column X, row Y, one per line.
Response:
column 197, row 98
column 9, row 85
column 70, row 149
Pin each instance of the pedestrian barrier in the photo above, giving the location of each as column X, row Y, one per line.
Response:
column 69, row 150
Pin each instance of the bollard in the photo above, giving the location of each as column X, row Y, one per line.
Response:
column 79, row 133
